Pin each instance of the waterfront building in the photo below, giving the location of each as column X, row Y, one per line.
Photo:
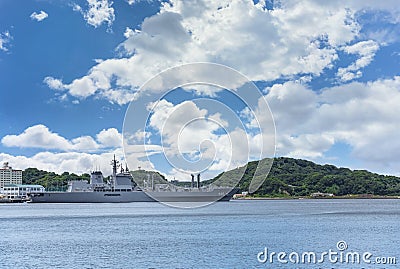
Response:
column 9, row 176
column 20, row 191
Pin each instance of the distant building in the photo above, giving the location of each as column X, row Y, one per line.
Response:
column 20, row 191
column 321, row 194
column 9, row 176
column 240, row 195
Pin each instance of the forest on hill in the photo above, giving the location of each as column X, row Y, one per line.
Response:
column 50, row 180
column 296, row 177
column 287, row 177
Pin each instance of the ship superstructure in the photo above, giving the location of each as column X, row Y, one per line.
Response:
column 120, row 188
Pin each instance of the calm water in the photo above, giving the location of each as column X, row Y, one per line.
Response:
column 223, row 235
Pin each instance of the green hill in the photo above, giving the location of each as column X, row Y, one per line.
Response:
column 50, row 180
column 296, row 177
column 288, row 177
column 142, row 176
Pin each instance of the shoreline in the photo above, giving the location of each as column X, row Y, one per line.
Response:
column 344, row 197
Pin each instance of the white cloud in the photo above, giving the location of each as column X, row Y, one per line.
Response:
column 109, row 138
column 366, row 51
column 73, row 162
column 291, row 104
column 263, row 44
column 363, row 115
column 77, row 8
column 98, row 12
column 309, row 123
column 78, row 155
column 39, row 136
column 118, row 96
column 132, row 2
column 203, row 90
column 195, row 139
column 82, row 87
column 186, row 132
column 55, row 84
column 297, row 38
column 128, row 32
column 309, row 146
column 169, row 120
column 5, row 39
column 99, row 82
column 85, row 144
column 39, row 16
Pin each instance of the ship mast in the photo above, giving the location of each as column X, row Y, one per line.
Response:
column 114, row 164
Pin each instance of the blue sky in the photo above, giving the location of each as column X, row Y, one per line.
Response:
column 329, row 72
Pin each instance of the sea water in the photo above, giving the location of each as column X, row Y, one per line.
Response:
column 235, row 234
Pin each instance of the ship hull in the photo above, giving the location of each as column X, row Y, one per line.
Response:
column 90, row 197
column 128, row 197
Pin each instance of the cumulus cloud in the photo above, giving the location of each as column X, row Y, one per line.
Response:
column 363, row 115
column 194, row 139
column 263, row 44
column 308, row 124
column 85, row 87
column 39, row 136
column 295, row 38
column 5, row 39
column 73, row 162
column 39, row 16
column 109, row 138
column 98, row 12
column 182, row 127
column 185, row 126
column 97, row 84
column 78, row 155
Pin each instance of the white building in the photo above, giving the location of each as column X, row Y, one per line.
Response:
column 9, row 176
column 20, row 191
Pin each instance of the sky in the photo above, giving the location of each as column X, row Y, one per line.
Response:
column 71, row 69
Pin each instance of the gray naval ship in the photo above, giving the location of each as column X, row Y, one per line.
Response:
column 120, row 189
